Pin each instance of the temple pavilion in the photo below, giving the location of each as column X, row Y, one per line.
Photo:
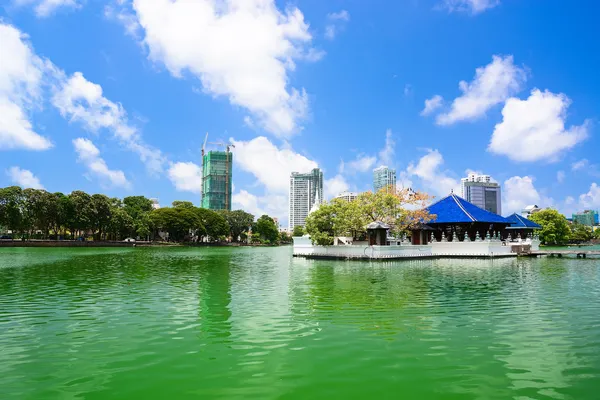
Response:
column 520, row 228
column 455, row 219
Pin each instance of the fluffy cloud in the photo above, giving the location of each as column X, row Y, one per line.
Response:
column 534, row 129
column 271, row 165
column 492, row 85
column 242, row 50
column 334, row 186
column 519, row 192
column 21, row 74
column 470, row 6
column 89, row 155
column 386, row 155
column 591, row 199
column 274, row 206
column 186, row 177
column 44, row 8
column 336, row 21
column 429, row 171
column 361, row 163
column 432, row 104
column 82, row 101
column 581, row 164
column 24, row 178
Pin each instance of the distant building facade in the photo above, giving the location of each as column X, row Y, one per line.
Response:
column 347, row 196
column 529, row 210
column 482, row 191
column 587, row 217
column 306, row 193
column 217, row 169
column 383, row 178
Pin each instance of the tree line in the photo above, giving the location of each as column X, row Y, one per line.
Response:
column 556, row 229
column 33, row 213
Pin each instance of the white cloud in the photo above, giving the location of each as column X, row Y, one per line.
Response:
column 560, row 176
column 336, row 23
column 429, row 171
column 581, row 164
column 186, row 176
column 362, row 163
column 334, row 186
column 386, row 154
column 242, row 50
column 89, row 155
column 519, row 192
column 432, row 104
column 470, row 6
column 21, row 74
column 534, row 129
column 82, row 101
column 44, row 8
column 24, row 178
column 491, row 85
column 591, row 199
column 272, row 166
column 273, row 205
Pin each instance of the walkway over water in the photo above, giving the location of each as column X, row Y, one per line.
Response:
column 560, row 253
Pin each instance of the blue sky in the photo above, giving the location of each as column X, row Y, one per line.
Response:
column 115, row 97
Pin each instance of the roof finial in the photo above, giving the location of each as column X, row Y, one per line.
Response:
column 451, row 191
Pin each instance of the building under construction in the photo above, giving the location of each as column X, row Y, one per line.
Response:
column 217, row 169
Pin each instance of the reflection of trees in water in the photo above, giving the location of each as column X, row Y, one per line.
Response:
column 383, row 297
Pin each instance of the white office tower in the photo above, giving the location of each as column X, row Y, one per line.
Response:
column 347, row 196
column 482, row 191
column 306, row 193
column 383, row 178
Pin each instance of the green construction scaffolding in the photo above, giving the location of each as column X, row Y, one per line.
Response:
column 216, row 180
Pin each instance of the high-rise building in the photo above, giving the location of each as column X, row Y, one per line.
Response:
column 587, row 217
column 483, row 192
column 347, row 196
column 216, row 180
column 306, row 192
column 384, row 178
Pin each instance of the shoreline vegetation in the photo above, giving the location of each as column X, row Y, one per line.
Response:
column 38, row 217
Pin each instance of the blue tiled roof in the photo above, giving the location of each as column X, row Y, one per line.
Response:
column 519, row 222
column 454, row 209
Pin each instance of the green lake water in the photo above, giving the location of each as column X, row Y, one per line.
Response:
column 226, row 323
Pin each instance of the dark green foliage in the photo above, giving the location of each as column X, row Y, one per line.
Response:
column 267, row 230
column 298, row 231
column 555, row 227
column 239, row 222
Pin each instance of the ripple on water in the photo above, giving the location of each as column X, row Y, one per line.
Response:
column 248, row 322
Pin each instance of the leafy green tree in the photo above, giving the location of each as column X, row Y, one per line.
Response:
column 555, row 227
column 37, row 210
column 143, row 225
column 178, row 222
column 102, row 214
column 580, row 233
column 597, row 234
column 298, row 231
column 84, row 211
column 285, row 237
column 320, row 224
column 267, row 230
column 12, row 203
column 121, row 224
column 183, row 204
column 65, row 215
column 136, row 205
column 215, row 225
column 239, row 222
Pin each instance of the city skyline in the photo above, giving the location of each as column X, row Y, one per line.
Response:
column 103, row 94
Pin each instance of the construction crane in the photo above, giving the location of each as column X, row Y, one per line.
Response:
column 204, row 145
column 228, row 147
